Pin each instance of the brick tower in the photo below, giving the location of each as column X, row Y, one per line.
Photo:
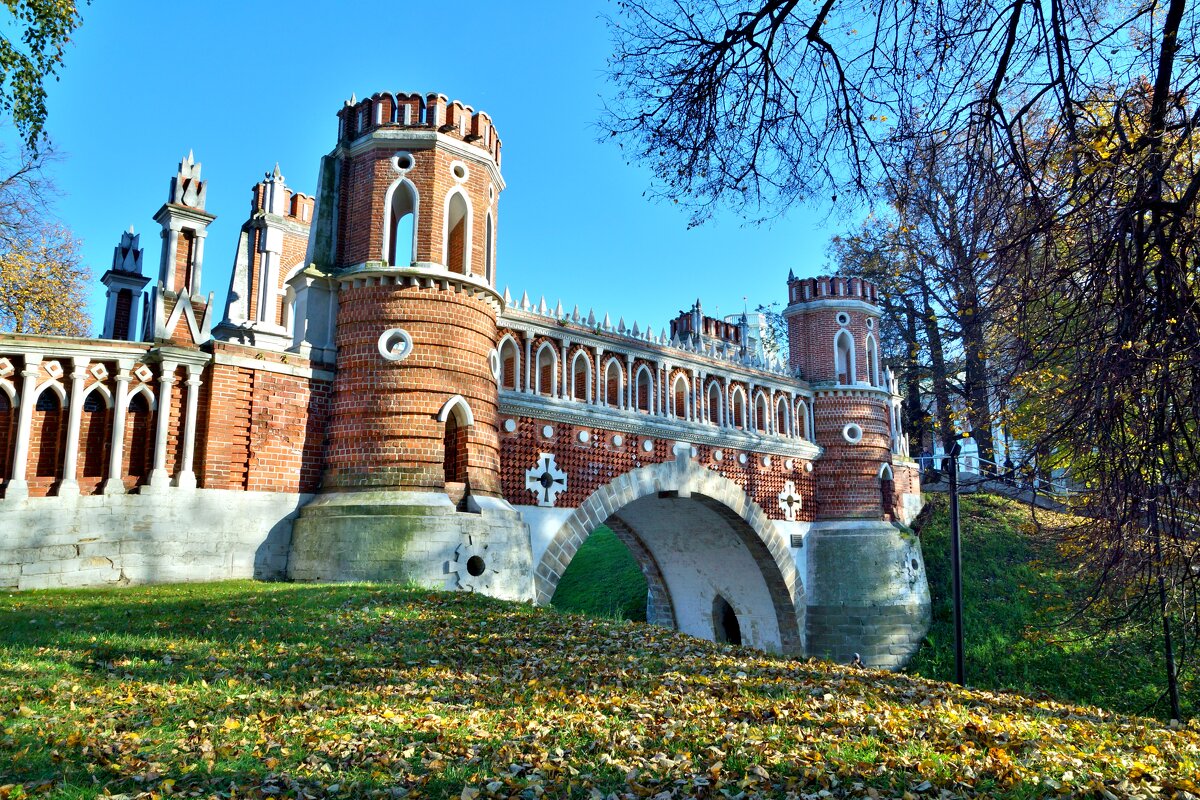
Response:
column 405, row 224
column 833, row 333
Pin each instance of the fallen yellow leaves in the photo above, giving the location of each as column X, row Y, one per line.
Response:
column 383, row 693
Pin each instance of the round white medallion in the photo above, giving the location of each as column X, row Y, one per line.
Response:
column 395, row 344
column 852, row 433
column 767, row 461
column 618, row 440
column 510, row 425
column 718, row 455
column 585, row 437
column 648, row 445
column 790, row 464
column 742, row 459
column 808, row 466
column 548, row 431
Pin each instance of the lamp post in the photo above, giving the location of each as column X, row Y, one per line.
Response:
column 956, row 558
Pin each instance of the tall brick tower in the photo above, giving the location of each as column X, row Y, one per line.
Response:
column 874, row 590
column 406, row 225
column 833, row 332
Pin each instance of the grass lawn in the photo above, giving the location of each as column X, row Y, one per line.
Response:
column 603, row 580
column 267, row 690
column 1016, row 614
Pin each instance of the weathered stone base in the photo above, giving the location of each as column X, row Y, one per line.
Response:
column 178, row 535
column 416, row 537
column 867, row 592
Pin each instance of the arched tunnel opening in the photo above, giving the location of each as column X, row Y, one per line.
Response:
column 688, row 563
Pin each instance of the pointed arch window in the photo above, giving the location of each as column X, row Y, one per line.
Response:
column 581, row 377
column 547, row 370
column 510, row 365
column 139, row 435
column 802, row 429
column 680, row 391
column 844, row 358
column 8, row 423
column 401, row 245
column 737, row 409
column 48, row 432
column 782, row 420
column 458, row 233
column 714, row 403
column 762, row 416
column 94, row 435
column 643, row 391
column 872, row 362
column 614, row 384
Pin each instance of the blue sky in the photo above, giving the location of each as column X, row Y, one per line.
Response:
column 250, row 84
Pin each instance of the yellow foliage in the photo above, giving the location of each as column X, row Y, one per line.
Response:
column 43, row 285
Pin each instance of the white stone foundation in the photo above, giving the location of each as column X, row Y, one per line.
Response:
column 98, row 540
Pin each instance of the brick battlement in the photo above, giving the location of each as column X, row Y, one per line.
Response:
column 432, row 111
column 831, row 287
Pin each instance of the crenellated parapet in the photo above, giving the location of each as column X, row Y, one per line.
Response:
column 432, row 112
column 832, row 287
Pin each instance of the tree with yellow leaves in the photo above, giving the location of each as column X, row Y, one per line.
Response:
column 43, row 285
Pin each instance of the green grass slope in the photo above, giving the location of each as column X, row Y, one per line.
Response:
column 281, row 690
column 1017, row 628
column 603, row 580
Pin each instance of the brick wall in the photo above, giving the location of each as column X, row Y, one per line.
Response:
column 592, row 464
column 384, row 430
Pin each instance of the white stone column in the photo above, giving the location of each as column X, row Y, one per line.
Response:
column 159, row 478
column 751, row 408
column 167, row 266
column 597, row 376
column 528, row 357
column 197, row 260
column 69, row 485
column 116, row 448
column 186, row 479
column 726, row 403
column 567, row 379
column 18, row 486
column 630, row 380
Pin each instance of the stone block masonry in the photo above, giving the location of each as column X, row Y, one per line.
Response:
column 98, row 540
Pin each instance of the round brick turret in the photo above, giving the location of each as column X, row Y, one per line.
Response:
column 833, row 329
column 415, row 183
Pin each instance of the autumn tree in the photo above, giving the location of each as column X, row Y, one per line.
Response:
column 758, row 104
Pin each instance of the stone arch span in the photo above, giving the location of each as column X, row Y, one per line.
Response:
column 696, row 534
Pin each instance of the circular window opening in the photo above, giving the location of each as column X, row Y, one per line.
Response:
column 459, row 171
column 852, row 433
column 475, row 566
column 915, row 565
column 404, row 161
column 843, row 318
column 870, row 323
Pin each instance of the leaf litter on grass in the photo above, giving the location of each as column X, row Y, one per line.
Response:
column 275, row 690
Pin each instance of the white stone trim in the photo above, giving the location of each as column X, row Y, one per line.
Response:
column 457, row 401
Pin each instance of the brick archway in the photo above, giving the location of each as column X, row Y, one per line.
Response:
column 684, row 478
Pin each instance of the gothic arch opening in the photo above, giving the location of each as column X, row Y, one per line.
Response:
column 761, row 416
column 401, row 225
column 844, row 358
column 614, row 384
column 458, row 234
column 139, row 438
column 510, row 365
column 581, row 377
column 546, row 376
column 681, row 391
column 8, row 426
column 643, row 391
column 457, row 417
column 714, row 403
column 737, row 408
column 48, row 432
column 782, row 421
